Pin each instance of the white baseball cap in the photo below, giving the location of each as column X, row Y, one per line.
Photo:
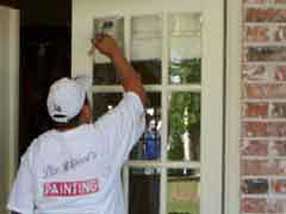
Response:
column 66, row 98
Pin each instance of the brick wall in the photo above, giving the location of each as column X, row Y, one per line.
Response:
column 263, row 144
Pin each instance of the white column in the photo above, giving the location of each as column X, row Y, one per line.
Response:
column 9, row 70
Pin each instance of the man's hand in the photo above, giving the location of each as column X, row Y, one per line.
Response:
column 106, row 45
column 129, row 78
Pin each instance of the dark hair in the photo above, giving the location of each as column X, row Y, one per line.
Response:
column 74, row 122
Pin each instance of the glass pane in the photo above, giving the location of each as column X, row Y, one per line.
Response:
column 104, row 72
column 183, row 191
column 149, row 146
column 146, row 47
column 185, row 48
column 184, row 126
column 144, row 191
column 102, row 102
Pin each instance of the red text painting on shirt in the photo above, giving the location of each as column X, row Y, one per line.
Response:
column 70, row 188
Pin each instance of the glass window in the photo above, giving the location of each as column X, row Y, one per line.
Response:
column 149, row 146
column 183, row 191
column 144, row 190
column 185, row 48
column 146, row 47
column 184, row 126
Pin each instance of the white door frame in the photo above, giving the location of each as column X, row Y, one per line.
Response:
column 233, row 89
column 233, row 106
column 212, row 79
column 10, row 73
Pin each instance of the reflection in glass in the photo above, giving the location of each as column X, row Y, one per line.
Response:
column 183, row 191
column 184, row 126
column 149, row 146
column 103, row 102
column 185, row 48
column 185, row 71
column 144, row 191
column 104, row 72
column 146, row 47
column 150, row 70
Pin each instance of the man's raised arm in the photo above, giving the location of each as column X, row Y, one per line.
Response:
column 130, row 80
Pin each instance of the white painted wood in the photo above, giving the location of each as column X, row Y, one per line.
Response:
column 126, row 186
column 233, row 105
column 167, row 164
column 3, row 106
column 9, row 69
column 164, row 117
column 14, row 65
column 212, row 105
column 148, row 88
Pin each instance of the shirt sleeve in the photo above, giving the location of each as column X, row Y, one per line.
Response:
column 21, row 196
column 123, row 126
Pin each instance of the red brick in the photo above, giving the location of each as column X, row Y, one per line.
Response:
column 266, row 54
column 259, row 91
column 254, row 148
column 270, row 205
column 254, row 73
column 254, row 186
column 265, row 15
column 255, row 1
column 276, row 206
column 260, row 167
column 255, row 129
column 263, row 167
column 254, row 205
column 277, row 129
column 257, row 34
column 265, row 33
column 278, row 148
column 279, row 185
column 257, row 110
column 277, row 91
column 280, row 1
column 280, row 73
column 256, row 91
column 278, row 110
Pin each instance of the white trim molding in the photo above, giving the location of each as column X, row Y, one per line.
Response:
column 233, row 106
column 10, row 25
column 14, row 66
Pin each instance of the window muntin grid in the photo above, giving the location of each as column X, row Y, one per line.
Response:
column 161, row 86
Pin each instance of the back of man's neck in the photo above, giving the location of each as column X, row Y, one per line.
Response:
column 65, row 128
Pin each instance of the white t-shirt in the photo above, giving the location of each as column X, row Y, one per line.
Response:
column 78, row 171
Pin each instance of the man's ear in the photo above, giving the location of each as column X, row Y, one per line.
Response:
column 86, row 114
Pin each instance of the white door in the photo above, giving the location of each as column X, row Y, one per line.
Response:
column 9, row 61
column 177, row 46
